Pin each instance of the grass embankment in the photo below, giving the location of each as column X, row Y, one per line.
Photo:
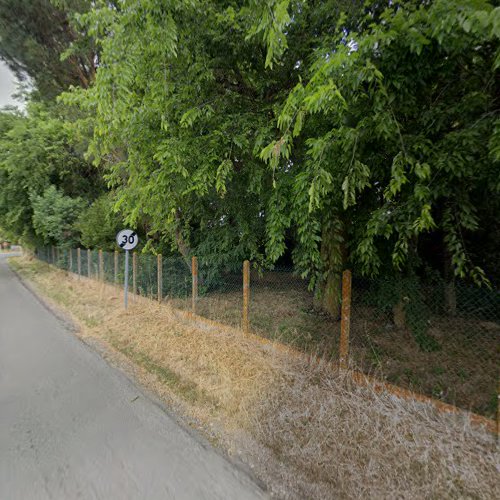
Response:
column 306, row 431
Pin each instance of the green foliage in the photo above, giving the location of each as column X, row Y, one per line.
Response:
column 272, row 20
column 38, row 151
column 397, row 124
column 334, row 133
column 180, row 109
column 98, row 224
column 184, row 105
column 54, row 215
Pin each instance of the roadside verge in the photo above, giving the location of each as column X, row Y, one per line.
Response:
column 306, row 431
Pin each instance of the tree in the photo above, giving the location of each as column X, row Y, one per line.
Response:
column 179, row 109
column 337, row 133
column 184, row 101
column 399, row 117
column 54, row 215
column 369, row 159
column 38, row 40
column 38, row 151
column 98, row 224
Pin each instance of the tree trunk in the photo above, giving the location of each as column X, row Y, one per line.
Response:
column 331, row 294
column 399, row 314
column 399, row 309
column 329, row 290
column 183, row 247
column 450, row 295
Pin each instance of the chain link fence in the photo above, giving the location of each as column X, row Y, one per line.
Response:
column 435, row 338
column 219, row 290
column 439, row 339
column 284, row 309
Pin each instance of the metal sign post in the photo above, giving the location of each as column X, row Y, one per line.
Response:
column 126, row 240
column 125, row 292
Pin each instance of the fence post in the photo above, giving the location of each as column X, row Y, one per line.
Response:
column 194, row 272
column 345, row 323
column 101, row 265
column 79, row 263
column 134, row 273
column 498, row 411
column 159, row 266
column 246, row 296
column 53, row 256
column 70, row 260
column 115, row 275
column 89, row 262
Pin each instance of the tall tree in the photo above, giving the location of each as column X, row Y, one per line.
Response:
column 39, row 41
column 400, row 120
column 38, row 152
column 260, row 129
column 379, row 142
column 184, row 101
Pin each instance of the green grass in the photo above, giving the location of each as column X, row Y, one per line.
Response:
column 91, row 322
column 187, row 390
column 35, row 267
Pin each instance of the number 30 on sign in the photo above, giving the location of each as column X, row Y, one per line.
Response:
column 127, row 239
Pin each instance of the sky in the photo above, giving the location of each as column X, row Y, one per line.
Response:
column 7, row 86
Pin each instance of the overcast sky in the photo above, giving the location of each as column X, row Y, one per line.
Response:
column 7, row 86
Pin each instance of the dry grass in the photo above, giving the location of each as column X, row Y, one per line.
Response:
column 285, row 315
column 462, row 372
column 307, row 431
column 360, row 444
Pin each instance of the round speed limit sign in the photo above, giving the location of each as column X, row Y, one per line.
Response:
column 127, row 239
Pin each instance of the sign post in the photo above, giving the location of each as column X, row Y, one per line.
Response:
column 125, row 292
column 127, row 240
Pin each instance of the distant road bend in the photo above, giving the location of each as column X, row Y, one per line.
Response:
column 71, row 426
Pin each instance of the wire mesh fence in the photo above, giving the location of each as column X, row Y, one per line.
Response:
column 177, row 281
column 108, row 263
column 435, row 338
column 144, row 276
column 94, row 264
column 219, row 294
column 283, row 309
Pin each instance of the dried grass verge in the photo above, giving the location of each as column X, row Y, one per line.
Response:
column 307, row 431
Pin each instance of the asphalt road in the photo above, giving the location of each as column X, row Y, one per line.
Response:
column 73, row 427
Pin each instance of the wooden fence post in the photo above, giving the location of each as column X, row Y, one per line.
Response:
column 345, row 323
column 89, row 263
column 115, row 275
column 134, row 273
column 101, row 266
column 79, row 261
column 498, row 411
column 194, row 272
column 159, row 265
column 70, row 260
column 246, row 296
column 53, row 255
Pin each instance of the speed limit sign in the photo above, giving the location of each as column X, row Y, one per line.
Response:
column 127, row 239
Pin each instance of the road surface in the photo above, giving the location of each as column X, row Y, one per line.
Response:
column 73, row 427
